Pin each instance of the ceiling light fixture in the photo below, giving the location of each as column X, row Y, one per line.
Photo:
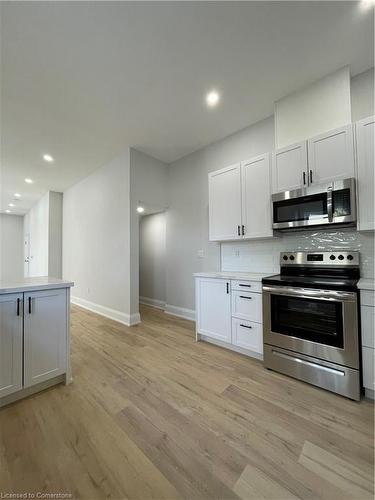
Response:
column 7, row 211
column 48, row 158
column 28, row 181
column 17, row 195
column 11, row 205
column 140, row 210
column 212, row 98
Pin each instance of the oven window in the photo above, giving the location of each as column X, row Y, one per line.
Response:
column 310, row 319
column 299, row 209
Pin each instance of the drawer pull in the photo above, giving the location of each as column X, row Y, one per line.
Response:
column 248, row 286
column 245, row 326
column 244, row 297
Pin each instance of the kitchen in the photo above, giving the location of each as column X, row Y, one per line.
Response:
column 217, row 276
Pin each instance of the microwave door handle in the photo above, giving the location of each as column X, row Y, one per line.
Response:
column 330, row 204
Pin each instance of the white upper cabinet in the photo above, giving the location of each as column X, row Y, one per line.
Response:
column 213, row 303
column 365, row 131
column 45, row 342
column 331, row 156
column 289, row 167
column 225, row 203
column 10, row 343
column 256, row 197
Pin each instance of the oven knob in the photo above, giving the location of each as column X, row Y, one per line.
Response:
column 350, row 257
column 332, row 257
column 285, row 257
column 340, row 257
column 291, row 257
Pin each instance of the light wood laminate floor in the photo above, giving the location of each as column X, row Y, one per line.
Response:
column 151, row 414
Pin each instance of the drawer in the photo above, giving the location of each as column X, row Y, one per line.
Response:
column 367, row 298
column 368, row 368
column 247, row 305
column 253, row 286
column 247, row 335
column 368, row 325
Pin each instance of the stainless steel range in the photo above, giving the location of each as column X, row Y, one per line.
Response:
column 310, row 320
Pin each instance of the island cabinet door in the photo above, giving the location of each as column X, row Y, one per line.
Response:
column 10, row 343
column 45, row 335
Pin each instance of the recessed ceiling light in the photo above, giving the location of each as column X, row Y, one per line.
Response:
column 212, row 98
column 48, row 158
column 140, row 210
column 7, row 211
column 11, row 205
column 28, row 181
column 17, row 195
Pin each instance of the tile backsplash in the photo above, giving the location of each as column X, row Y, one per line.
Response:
column 263, row 255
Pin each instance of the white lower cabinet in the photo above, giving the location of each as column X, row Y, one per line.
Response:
column 10, row 343
column 229, row 313
column 368, row 340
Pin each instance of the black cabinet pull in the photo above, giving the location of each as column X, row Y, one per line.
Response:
column 18, row 307
column 248, row 286
column 227, row 287
column 311, row 177
column 304, row 178
column 245, row 326
column 244, row 297
column 29, row 305
column 239, row 230
column 243, row 230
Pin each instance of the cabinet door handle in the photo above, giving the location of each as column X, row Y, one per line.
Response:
column 18, row 307
column 245, row 326
column 227, row 287
column 239, row 230
column 304, row 178
column 244, row 297
column 248, row 286
column 29, row 305
column 243, row 230
column 311, row 177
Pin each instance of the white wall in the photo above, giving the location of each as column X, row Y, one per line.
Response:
column 96, row 238
column 321, row 106
column 152, row 257
column 11, row 247
column 148, row 185
column 362, row 95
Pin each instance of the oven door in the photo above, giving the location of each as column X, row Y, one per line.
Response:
column 318, row 323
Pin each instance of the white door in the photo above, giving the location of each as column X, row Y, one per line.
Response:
column 224, row 194
column 289, row 167
column 10, row 343
column 331, row 156
column 365, row 131
column 45, row 335
column 213, row 308
column 256, row 197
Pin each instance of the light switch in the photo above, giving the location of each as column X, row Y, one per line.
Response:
column 200, row 253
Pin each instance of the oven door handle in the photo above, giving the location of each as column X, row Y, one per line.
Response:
column 311, row 293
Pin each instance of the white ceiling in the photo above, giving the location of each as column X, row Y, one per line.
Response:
column 85, row 80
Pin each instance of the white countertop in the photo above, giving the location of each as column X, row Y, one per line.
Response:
column 31, row 284
column 366, row 284
column 233, row 275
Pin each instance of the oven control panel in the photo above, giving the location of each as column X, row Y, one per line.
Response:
column 316, row 258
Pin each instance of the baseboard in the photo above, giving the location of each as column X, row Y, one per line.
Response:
column 148, row 301
column 121, row 317
column 370, row 394
column 181, row 312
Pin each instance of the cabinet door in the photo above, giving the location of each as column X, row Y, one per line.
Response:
column 45, row 335
column 247, row 335
column 368, row 360
column 10, row 343
column 225, row 203
column 331, row 156
column 289, row 166
column 213, row 308
column 365, row 131
column 256, row 197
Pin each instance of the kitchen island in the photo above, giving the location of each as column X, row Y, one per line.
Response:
column 34, row 336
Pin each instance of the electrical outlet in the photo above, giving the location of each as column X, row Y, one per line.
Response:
column 236, row 253
column 200, row 254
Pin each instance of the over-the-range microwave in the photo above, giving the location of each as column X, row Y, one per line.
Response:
column 320, row 205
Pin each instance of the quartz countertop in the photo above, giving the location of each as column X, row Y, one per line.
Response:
column 230, row 275
column 32, row 284
column 366, row 284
